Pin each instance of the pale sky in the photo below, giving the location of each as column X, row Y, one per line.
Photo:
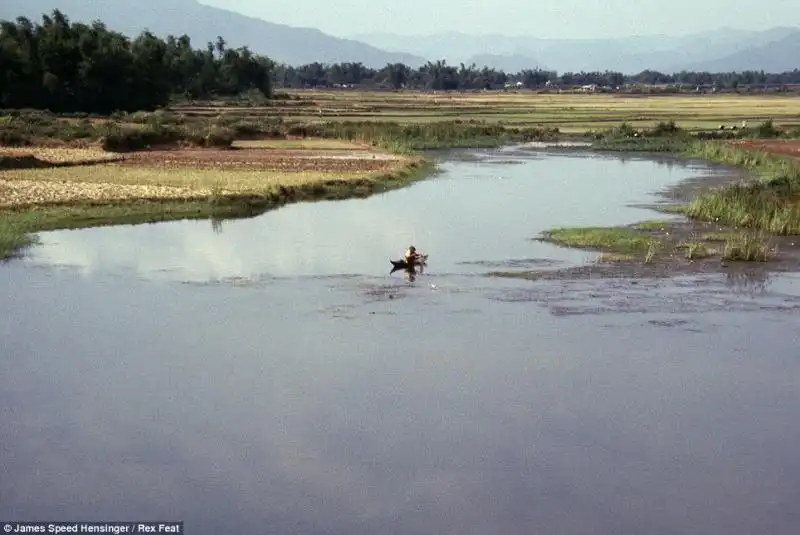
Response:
column 541, row 18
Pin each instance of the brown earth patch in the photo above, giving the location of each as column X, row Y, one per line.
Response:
column 41, row 157
column 290, row 160
column 22, row 193
column 778, row 147
column 191, row 174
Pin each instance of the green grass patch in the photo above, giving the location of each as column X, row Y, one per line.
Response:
column 642, row 144
column 220, row 127
column 611, row 240
column 716, row 236
column 124, row 138
column 696, row 250
column 616, row 257
column 671, row 208
column 763, row 167
column 652, row 225
column 756, row 206
column 747, row 247
column 13, row 240
column 769, row 201
column 398, row 137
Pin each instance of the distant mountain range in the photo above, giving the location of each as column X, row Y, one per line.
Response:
column 285, row 44
column 726, row 49
column 775, row 56
column 773, row 50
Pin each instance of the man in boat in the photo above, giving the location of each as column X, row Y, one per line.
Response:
column 411, row 256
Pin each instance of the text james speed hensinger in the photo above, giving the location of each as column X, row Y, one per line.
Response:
column 114, row 528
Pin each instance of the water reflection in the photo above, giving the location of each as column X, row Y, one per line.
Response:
column 243, row 414
column 473, row 211
column 748, row 281
column 410, row 273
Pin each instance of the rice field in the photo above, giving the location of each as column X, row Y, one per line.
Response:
column 300, row 144
column 182, row 180
column 571, row 113
column 146, row 187
column 61, row 155
column 307, row 145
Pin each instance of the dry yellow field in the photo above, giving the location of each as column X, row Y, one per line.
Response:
column 301, row 144
column 568, row 112
column 192, row 174
column 61, row 155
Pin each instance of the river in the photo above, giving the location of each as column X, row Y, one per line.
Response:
column 269, row 375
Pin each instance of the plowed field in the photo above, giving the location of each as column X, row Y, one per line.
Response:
column 780, row 147
column 334, row 161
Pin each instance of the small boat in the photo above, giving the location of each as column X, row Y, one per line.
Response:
column 402, row 264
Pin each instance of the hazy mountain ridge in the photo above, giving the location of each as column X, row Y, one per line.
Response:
column 203, row 23
column 726, row 49
column 627, row 54
column 769, row 57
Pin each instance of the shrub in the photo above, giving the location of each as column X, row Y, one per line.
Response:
column 123, row 139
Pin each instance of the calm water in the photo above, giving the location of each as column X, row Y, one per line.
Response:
column 474, row 212
column 272, row 378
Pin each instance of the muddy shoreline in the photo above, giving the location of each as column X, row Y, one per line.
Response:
column 784, row 250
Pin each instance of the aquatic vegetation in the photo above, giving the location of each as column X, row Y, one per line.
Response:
column 747, row 247
column 652, row 250
column 696, row 250
column 716, row 236
column 652, row 224
column 613, row 240
column 13, row 240
column 671, row 208
column 749, row 206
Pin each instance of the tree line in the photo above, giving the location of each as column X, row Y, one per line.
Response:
column 64, row 66
column 441, row 76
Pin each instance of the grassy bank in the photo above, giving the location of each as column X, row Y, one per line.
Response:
column 130, row 132
column 766, row 204
column 769, row 201
column 229, row 197
column 13, row 239
column 620, row 241
column 402, row 123
column 57, row 189
column 652, row 242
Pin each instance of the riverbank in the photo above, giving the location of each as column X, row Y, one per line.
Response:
column 152, row 186
column 124, row 132
column 71, row 172
column 746, row 219
column 63, row 171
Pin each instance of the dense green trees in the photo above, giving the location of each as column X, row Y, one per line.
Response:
column 65, row 66
column 441, row 76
